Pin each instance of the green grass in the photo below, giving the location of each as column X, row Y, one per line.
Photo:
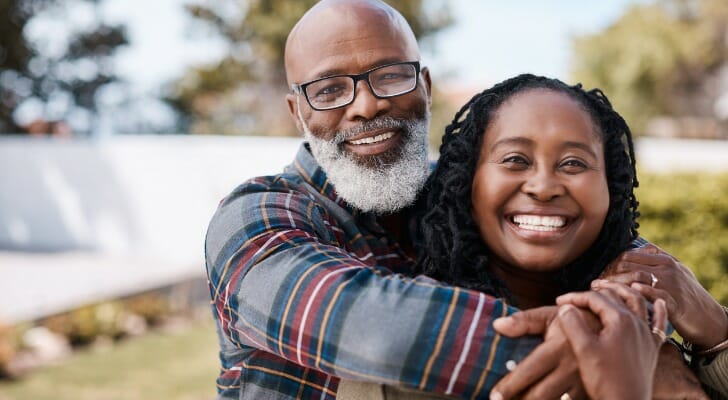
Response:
column 180, row 365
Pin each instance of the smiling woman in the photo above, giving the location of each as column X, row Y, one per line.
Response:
column 544, row 203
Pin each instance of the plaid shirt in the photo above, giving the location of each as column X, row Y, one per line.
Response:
column 306, row 289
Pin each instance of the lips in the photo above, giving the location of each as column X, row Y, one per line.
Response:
column 372, row 139
column 373, row 143
column 539, row 223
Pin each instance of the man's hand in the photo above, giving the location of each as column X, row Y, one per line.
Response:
column 697, row 317
column 551, row 369
column 673, row 379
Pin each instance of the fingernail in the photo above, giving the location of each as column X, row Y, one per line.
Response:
column 501, row 322
column 597, row 282
column 496, row 395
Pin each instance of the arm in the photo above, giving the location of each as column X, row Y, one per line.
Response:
column 281, row 283
column 696, row 315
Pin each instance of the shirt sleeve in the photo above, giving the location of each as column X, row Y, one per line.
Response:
column 280, row 282
column 713, row 374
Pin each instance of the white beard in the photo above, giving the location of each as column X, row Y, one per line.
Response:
column 386, row 187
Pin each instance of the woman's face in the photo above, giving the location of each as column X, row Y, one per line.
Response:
column 540, row 192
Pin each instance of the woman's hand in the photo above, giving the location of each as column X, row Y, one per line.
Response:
column 697, row 317
column 618, row 362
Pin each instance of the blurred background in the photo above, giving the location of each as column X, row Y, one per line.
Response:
column 124, row 122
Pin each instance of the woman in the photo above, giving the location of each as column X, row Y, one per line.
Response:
column 533, row 198
column 545, row 202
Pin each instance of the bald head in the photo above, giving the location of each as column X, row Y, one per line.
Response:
column 334, row 25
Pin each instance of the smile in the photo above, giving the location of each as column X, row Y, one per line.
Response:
column 539, row 223
column 372, row 139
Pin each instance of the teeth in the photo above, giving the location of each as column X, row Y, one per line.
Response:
column 539, row 223
column 374, row 139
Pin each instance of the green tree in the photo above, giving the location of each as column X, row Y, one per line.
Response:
column 243, row 92
column 61, row 82
column 658, row 59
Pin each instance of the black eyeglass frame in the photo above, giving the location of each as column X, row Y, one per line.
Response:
column 364, row 76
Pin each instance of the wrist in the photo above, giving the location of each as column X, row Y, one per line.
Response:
column 712, row 346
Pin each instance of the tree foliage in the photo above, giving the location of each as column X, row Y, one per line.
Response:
column 61, row 81
column 663, row 58
column 243, row 92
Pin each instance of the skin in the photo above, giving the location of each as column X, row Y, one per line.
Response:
column 697, row 317
column 351, row 37
column 625, row 367
column 542, row 157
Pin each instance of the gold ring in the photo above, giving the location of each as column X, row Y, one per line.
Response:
column 565, row 396
column 660, row 333
column 654, row 280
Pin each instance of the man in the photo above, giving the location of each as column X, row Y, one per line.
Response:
column 310, row 270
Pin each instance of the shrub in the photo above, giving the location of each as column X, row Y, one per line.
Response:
column 687, row 215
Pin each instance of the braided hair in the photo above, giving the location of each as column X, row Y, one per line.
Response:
column 452, row 249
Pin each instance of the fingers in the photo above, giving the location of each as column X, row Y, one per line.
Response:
column 634, row 274
column 634, row 300
column 574, row 327
column 529, row 322
column 653, row 293
column 542, row 360
column 660, row 316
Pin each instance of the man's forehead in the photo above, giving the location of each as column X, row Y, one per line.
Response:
column 325, row 42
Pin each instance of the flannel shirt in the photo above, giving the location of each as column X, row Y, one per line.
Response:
column 306, row 289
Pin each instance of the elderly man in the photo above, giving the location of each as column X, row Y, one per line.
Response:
column 310, row 270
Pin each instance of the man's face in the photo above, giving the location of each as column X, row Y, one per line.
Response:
column 371, row 145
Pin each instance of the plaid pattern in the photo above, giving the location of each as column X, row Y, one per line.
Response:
column 306, row 289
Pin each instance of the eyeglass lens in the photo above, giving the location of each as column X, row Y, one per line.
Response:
column 387, row 81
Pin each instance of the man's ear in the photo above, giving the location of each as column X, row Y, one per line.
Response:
column 291, row 100
column 425, row 72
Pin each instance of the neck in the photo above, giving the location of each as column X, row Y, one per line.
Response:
column 529, row 288
column 396, row 226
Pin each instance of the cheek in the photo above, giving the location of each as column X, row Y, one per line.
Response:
column 323, row 124
column 595, row 200
column 486, row 196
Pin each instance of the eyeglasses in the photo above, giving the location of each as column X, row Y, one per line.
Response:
column 340, row 90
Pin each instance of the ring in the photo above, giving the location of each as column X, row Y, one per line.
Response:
column 565, row 396
column 660, row 333
column 654, row 280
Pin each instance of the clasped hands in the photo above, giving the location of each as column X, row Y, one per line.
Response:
column 594, row 339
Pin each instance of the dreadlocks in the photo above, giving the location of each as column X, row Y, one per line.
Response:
column 453, row 250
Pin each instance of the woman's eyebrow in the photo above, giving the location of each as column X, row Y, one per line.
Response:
column 579, row 145
column 511, row 141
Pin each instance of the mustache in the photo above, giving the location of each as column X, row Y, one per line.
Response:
column 384, row 122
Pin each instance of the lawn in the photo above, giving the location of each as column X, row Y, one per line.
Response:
column 180, row 364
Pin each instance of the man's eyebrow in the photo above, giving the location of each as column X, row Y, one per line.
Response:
column 338, row 71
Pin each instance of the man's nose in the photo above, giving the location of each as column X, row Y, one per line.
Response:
column 543, row 185
column 365, row 104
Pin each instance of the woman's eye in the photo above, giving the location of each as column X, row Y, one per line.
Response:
column 573, row 166
column 515, row 162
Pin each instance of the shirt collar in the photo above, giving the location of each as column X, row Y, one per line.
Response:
column 309, row 169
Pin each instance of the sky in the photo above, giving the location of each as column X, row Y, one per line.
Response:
column 490, row 41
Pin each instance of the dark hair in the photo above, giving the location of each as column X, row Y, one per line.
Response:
column 452, row 249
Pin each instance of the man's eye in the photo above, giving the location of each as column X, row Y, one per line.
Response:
column 329, row 90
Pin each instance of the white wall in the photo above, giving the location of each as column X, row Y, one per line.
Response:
column 86, row 220
column 132, row 210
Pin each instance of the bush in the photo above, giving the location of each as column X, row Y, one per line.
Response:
column 687, row 215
